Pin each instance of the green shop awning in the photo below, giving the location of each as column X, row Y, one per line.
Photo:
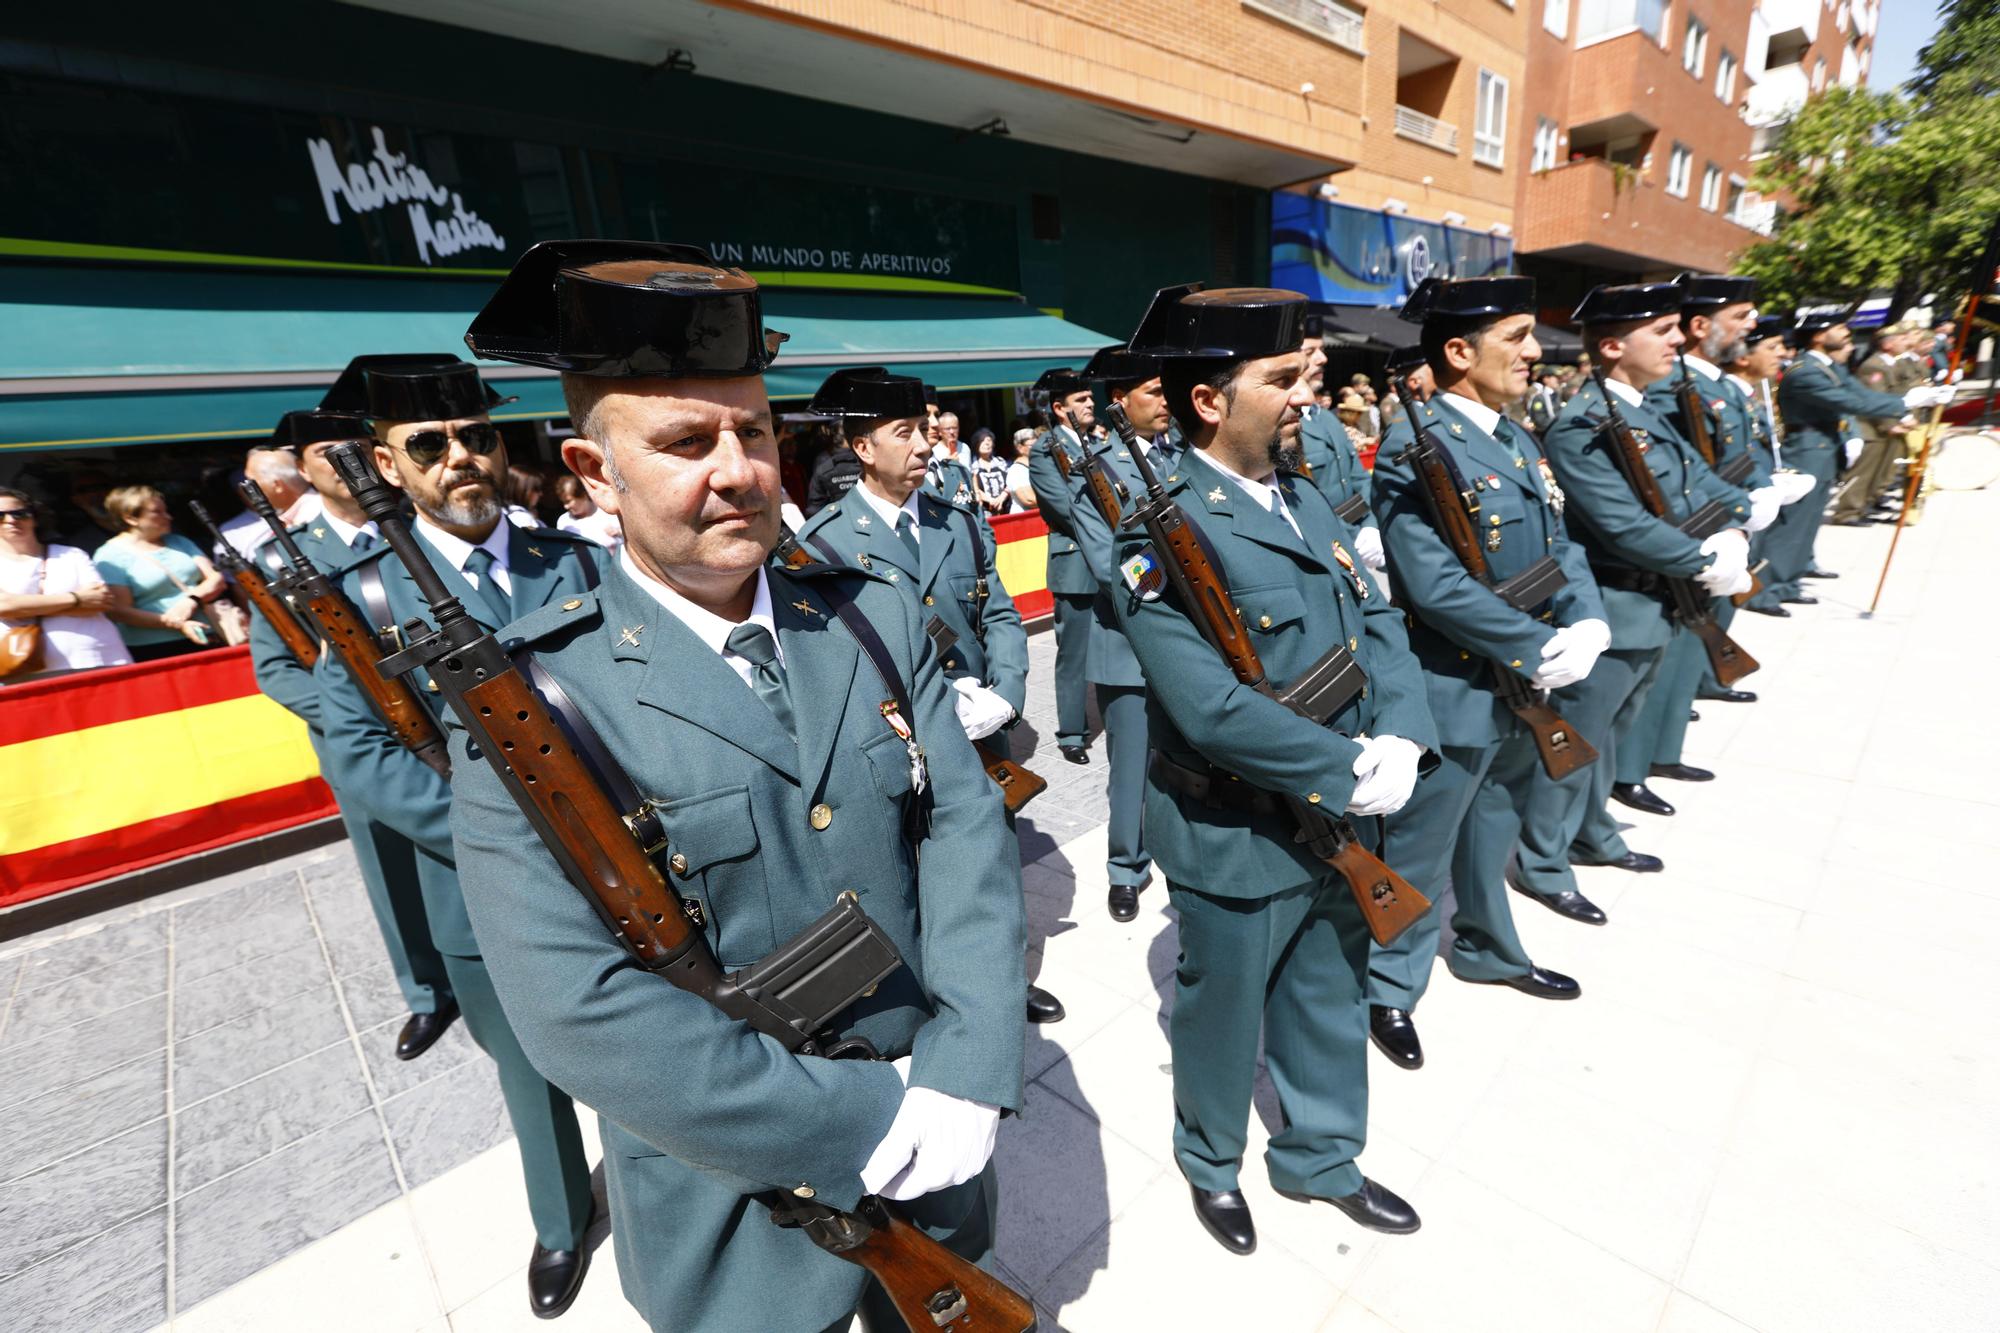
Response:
column 96, row 357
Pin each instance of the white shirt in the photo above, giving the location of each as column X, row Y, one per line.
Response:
column 1267, row 495
column 889, row 512
column 457, row 550
column 1625, row 391
column 1709, row 370
column 596, row 526
column 1478, row 413
column 69, row 642
column 346, row 531
column 246, row 532
column 1017, row 480
column 1820, row 356
column 710, row 628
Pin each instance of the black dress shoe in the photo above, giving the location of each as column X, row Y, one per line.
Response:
column 1819, row 574
column 1395, row 1036
column 554, row 1279
column 1374, row 1206
column 1730, row 696
column 1778, row 611
column 1076, row 754
column 1681, row 773
column 1226, row 1216
column 1637, row 862
column 1639, row 797
column 1123, row 901
column 1694, row 715
column 1800, row 599
column 1042, row 1006
column 1569, row 903
column 423, row 1030
column 1541, row 983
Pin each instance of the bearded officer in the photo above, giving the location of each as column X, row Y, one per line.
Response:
column 1270, row 937
column 386, row 858
column 726, row 686
column 1462, row 824
column 938, row 553
column 1073, row 411
column 435, row 443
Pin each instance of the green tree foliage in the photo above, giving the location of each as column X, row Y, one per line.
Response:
column 1890, row 190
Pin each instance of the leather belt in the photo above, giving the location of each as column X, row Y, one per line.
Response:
column 1629, row 580
column 1211, row 786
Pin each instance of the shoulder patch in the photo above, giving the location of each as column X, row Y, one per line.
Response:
column 1143, row 573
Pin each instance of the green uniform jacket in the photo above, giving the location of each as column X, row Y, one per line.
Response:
column 1822, row 403
column 1068, row 574
column 1730, row 427
column 1606, row 519
column 1337, row 471
column 363, row 759
column 1109, row 659
column 1299, row 599
column 279, row 674
column 698, row 1109
column 945, row 585
column 1457, row 623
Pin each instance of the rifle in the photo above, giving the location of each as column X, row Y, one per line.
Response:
column 1110, row 496
column 346, row 632
column 274, row 604
column 609, row 854
column 1388, row 902
column 1690, row 603
column 1687, row 395
column 1454, row 514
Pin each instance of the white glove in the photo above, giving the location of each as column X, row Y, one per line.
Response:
column 936, row 1141
column 1368, row 545
column 980, row 711
column 1792, row 487
column 1765, row 502
column 1729, row 572
column 1929, row 395
column 1570, row 653
column 1851, row 451
column 1387, row 773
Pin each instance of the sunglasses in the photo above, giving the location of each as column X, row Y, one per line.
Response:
column 426, row 447
column 21, row 515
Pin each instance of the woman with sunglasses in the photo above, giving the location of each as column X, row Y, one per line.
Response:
column 55, row 588
column 160, row 581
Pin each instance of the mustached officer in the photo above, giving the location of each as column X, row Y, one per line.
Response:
column 1071, row 586
column 1331, row 461
column 1271, row 940
column 1633, row 332
column 941, row 556
column 435, row 443
column 386, row 858
column 1131, row 380
column 776, row 748
column 1461, row 825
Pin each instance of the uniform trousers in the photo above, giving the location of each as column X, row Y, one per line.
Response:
column 961, row 1218
column 1125, row 733
column 1572, row 812
column 1870, row 476
column 1074, row 614
column 1293, row 966
column 1462, row 822
column 388, row 865
column 1659, row 727
column 1789, row 544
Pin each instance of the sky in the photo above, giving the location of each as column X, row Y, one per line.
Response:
column 1906, row 27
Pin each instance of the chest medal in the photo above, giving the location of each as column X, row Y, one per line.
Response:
column 1555, row 492
column 919, row 773
column 1354, row 575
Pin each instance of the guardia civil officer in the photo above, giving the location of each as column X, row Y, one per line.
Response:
column 938, row 553
column 1462, row 823
column 1633, row 333
column 1270, row 937
column 387, row 858
column 1071, row 585
column 1330, row 458
column 726, row 687
column 435, row 443
column 1131, row 380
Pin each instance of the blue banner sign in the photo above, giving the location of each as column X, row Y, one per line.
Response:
column 1356, row 256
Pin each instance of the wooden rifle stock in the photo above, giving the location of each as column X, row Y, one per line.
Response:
column 1695, row 412
column 1389, row 903
column 1691, row 602
column 1756, row 584
column 270, row 603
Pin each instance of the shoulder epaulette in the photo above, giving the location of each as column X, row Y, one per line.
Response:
column 352, row 562
column 556, row 534
column 578, row 609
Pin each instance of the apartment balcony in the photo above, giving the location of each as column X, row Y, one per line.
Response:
column 1620, row 79
column 1591, row 211
column 1413, row 124
column 1327, row 19
column 1777, row 98
column 1790, row 22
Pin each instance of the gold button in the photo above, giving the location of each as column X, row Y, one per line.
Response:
column 804, row 1191
column 1464, row 656
column 1516, row 662
column 679, row 863
column 1496, row 520
column 431, row 685
column 1354, row 645
column 1312, row 798
column 929, row 600
column 822, row 815
column 1263, row 622
column 572, row 604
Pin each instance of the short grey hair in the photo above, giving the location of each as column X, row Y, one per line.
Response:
column 267, row 466
column 583, row 395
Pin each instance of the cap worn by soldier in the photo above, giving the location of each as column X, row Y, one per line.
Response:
column 1118, row 367
column 626, row 310
column 1705, row 293
column 1469, row 300
column 1060, row 382
column 296, row 430
column 1198, row 334
column 1627, row 303
column 411, row 386
column 865, row 394
column 1767, row 328
column 1405, row 359
column 1818, row 319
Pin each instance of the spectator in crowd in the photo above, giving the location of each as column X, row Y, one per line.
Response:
column 1371, row 416
column 959, row 451
column 524, row 496
column 1391, row 405
column 56, row 589
column 584, row 518
column 1352, row 409
column 1019, row 489
column 161, row 583
column 285, row 486
column 88, row 524
column 989, row 479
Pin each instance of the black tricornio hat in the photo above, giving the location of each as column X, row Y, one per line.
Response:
column 298, row 429
column 1405, row 359
column 1224, row 325
column 1061, row 382
column 1119, row 364
column 626, row 309
column 1768, row 327
column 411, row 386
column 1638, row 300
column 1811, row 319
column 1712, row 291
column 1469, row 299
column 871, row 393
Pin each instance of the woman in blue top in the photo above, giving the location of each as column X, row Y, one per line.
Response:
column 159, row 581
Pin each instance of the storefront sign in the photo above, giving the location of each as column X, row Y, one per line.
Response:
column 388, row 178
column 1356, row 256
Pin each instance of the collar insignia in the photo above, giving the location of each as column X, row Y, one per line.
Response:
column 805, row 608
column 630, row 636
column 863, row 521
column 1453, row 428
column 1215, row 496
column 319, row 532
column 536, row 552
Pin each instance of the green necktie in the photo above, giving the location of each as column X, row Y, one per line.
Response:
column 907, row 530
column 1503, row 431
column 754, row 644
column 488, row 593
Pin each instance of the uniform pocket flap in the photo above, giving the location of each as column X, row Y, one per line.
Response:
column 1273, row 607
column 890, row 759
column 710, row 828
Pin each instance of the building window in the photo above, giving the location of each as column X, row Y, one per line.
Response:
column 1711, row 187
column 1545, row 144
column 1555, row 18
column 1489, row 133
column 1340, row 24
column 1694, row 47
column 1735, row 210
column 1680, row 166
column 1819, row 75
column 1725, row 77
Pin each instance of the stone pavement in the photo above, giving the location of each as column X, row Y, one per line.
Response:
column 1772, row 1110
